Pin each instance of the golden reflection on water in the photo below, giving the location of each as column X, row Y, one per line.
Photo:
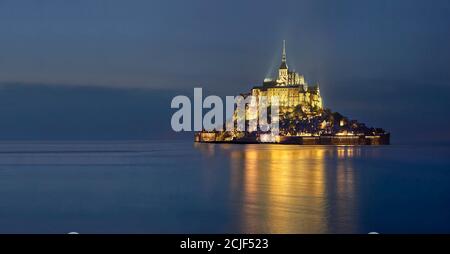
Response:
column 288, row 188
column 294, row 189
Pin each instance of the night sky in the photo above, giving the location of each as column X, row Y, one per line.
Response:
column 108, row 69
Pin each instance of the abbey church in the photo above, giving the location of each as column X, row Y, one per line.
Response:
column 291, row 89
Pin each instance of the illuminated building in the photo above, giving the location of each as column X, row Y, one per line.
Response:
column 301, row 117
column 291, row 89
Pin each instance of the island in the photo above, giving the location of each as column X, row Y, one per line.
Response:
column 302, row 118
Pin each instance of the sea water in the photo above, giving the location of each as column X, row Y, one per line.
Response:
column 186, row 187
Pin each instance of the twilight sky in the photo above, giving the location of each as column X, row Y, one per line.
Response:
column 386, row 63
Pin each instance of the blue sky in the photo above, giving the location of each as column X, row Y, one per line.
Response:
column 385, row 63
column 180, row 43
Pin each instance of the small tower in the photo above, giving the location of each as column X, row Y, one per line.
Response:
column 283, row 57
column 283, row 70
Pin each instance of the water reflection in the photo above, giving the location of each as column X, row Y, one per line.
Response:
column 292, row 189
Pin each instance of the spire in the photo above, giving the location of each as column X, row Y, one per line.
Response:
column 283, row 57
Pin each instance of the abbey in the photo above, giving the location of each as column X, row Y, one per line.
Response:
column 291, row 89
column 298, row 117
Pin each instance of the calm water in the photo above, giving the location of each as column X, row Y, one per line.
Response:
column 137, row 187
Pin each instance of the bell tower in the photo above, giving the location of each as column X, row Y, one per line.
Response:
column 283, row 70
